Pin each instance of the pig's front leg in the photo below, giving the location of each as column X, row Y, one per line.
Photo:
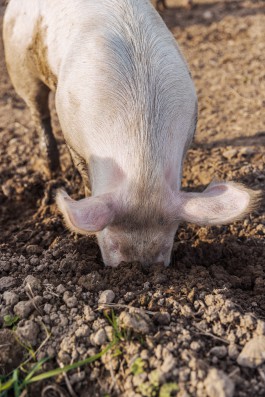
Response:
column 82, row 168
column 38, row 103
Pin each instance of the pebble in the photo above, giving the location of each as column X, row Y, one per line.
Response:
column 5, row 266
column 34, row 249
column 169, row 363
column 89, row 315
column 138, row 321
column 207, row 15
column 29, row 332
column 83, row 330
column 162, row 318
column 260, row 330
column 47, row 308
column 186, row 311
column 218, row 384
column 195, row 346
column 107, row 296
column 99, row 337
column 230, row 153
column 70, row 301
column 219, row 351
column 129, row 296
column 233, row 351
column 10, row 298
column 77, row 377
column 109, row 332
column 92, row 281
column 23, row 309
column 253, row 353
column 33, row 282
column 60, row 289
column 6, row 283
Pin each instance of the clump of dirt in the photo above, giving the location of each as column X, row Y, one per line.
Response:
column 200, row 319
column 11, row 352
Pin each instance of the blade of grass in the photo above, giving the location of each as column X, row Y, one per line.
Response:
column 16, row 384
column 36, row 367
column 7, row 384
column 58, row 371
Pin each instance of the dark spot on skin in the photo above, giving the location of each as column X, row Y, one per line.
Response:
column 37, row 52
column 161, row 221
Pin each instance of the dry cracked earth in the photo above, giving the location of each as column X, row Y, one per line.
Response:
column 194, row 329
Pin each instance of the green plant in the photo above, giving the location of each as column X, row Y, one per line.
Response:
column 9, row 320
column 167, row 389
column 150, row 388
column 119, row 334
column 17, row 381
column 137, row 367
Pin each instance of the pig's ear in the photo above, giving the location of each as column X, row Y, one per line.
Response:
column 88, row 215
column 219, row 204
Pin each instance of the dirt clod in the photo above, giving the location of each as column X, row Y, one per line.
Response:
column 191, row 322
column 253, row 353
column 218, row 384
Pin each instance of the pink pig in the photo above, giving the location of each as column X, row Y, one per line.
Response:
column 127, row 108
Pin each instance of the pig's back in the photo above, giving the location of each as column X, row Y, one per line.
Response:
column 128, row 84
column 121, row 81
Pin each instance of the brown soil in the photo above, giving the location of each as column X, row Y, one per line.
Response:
column 213, row 292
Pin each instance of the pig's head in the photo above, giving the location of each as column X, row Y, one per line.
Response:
column 145, row 233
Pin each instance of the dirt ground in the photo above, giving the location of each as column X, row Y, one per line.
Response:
column 199, row 324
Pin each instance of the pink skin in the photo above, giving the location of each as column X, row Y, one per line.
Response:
column 145, row 246
column 145, row 233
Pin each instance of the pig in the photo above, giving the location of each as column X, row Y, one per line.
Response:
column 127, row 107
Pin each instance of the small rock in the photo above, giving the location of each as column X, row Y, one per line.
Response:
column 34, row 249
column 89, row 315
column 169, row 363
column 70, row 301
column 162, row 318
column 60, row 289
column 23, row 309
column 5, row 266
column 92, row 281
column 138, row 321
column 260, row 330
column 99, row 337
column 11, row 352
column 218, row 384
column 233, row 351
column 207, row 15
column 29, row 332
column 219, row 351
column 230, row 153
column 47, row 308
column 129, row 296
column 186, row 311
column 77, row 377
column 82, row 331
column 32, row 282
column 195, row 346
column 109, row 332
column 6, row 283
column 253, row 353
column 10, row 298
column 107, row 296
